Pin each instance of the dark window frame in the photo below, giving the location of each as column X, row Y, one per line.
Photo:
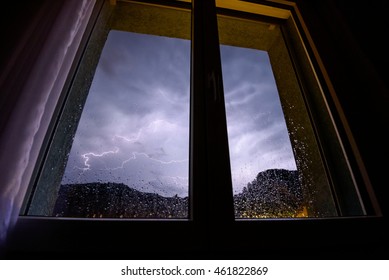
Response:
column 202, row 234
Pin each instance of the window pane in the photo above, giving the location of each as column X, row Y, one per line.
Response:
column 128, row 157
column 261, row 153
column 276, row 167
column 130, row 152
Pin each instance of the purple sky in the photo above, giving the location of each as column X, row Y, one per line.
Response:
column 135, row 125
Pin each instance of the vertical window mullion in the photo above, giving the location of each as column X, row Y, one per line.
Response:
column 211, row 185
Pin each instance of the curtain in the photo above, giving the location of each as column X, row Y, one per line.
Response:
column 23, row 133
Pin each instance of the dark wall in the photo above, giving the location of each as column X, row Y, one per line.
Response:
column 352, row 43
column 369, row 26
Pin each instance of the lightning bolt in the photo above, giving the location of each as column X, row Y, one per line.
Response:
column 153, row 126
column 136, row 138
column 88, row 156
column 134, row 157
column 161, row 161
column 162, row 92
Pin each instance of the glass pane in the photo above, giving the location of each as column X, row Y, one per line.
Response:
column 276, row 167
column 130, row 153
column 121, row 147
column 264, row 172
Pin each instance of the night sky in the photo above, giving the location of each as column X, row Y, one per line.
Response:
column 135, row 125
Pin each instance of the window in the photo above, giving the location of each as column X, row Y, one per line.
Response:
column 126, row 155
column 212, row 229
column 275, row 177
column 254, row 138
column 260, row 148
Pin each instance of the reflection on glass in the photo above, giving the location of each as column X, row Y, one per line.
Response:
column 264, row 172
column 129, row 156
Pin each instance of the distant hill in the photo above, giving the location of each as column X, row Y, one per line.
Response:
column 112, row 200
column 273, row 193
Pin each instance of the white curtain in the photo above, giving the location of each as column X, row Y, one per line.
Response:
column 28, row 122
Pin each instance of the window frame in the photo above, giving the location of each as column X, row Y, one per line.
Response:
column 202, row 234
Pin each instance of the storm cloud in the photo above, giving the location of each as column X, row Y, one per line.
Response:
column 134, row 128
column 257, row 132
